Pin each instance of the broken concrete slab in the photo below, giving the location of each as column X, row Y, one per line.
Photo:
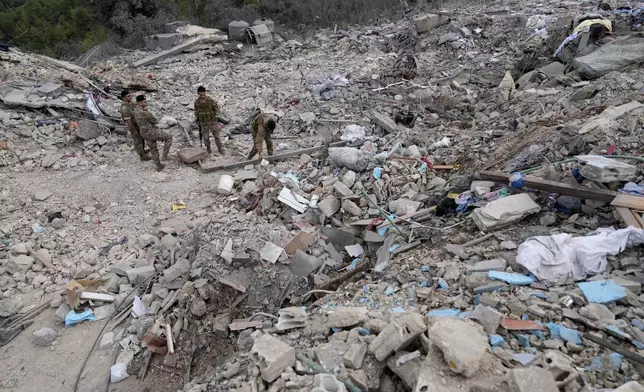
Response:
column 329, row 206
column 489, row 265
column 162, row 41
column 384, row 121
column 602, row 169
column 155, row 58
column 303, row 264
column 301, row 241
column 502, row 212
column 397, row 335
column 355, row 355
column 293, row 317
column 407, row 370
column 427, row 22
column 462, row 342
column 632, row 285
column 181, row 267
column 338, row 236
column 347, row 317
column 531, row 379
column 351, row 208
column 50, row 89
column 138, row 275
column 21, row 263
column 192, row 154
column 610, row 57
column 489, row 318
column 42, row 195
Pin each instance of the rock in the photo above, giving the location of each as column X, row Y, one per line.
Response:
column 489, row 318
column 57, row 223
column 62, row 312
column 20, row 264
column 548, row 219
column 303, row 264
column 427, row 22
column 329, row 205
column 632, row 386
column 10, row 306
column 355, row 355
column 343, row 190
column 147, row 239
column 192, row 154
column 198, row 307
column 408, row 371
column 105, row 311
column 384, row 121
column 359, row 378
column 245, row 340
column 397, row 335
column 508, row 245
column 463, row 344
column 346, row 317
column 181, row 267
column 597, row 312
column 351, row 207
column 329, row 355
column 349, row 179
column 42, row 195
column 139, row 275
column 44, row 337
column 169, row 241
column 586, row 92
column 6, row 283
column 489, row 265
column 307, row 117
column 272, row 356
column 633, row 286
column 531, row 379
column 107, row 340
column 327, row 383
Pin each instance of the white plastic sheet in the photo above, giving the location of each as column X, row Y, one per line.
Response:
column 561, row 258
column 353, row 133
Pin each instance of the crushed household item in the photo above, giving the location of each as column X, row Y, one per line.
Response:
column 348, row 157
column 502, row 212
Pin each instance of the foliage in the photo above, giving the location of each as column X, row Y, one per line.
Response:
column 69, row 27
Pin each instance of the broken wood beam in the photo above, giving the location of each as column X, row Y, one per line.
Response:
column 628, row 217
column 554, row 187
column 273, row 158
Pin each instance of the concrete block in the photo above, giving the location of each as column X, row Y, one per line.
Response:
column 347, row 317
column 139, row 275
column 489, row 318
column 384, row 121
column 339, row 236
column 372, row 236
column 359, row 378
column 303, row 264
column 293, row 317
column 355, row 355
column 407, row 371
column 488, row 265
column 50, row 89
column 531, row 379
column 272, row 356
column 462, row 342
column 397, row 335
column 192, row 154
column 342, row 190
column 427, row 22
column 327, row 383
column 329, row 355
column 329, row 205
column 602, row 169
column 20, row 264
column 633, row 286
column 182, row 266
column 351, row 208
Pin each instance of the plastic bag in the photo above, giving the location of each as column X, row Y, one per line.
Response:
column 348, row 157
column 444, row 142
column 118, row 372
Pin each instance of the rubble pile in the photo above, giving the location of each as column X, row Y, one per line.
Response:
column 376, row 250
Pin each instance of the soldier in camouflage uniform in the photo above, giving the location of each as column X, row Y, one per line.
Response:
column 262, row 128
column 206, row 114
column 127, row 114
column 146, row 122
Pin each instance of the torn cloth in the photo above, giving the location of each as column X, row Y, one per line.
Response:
column 559, row 257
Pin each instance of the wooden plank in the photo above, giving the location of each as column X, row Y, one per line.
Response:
column 273, row 158
column 628, row 201
column 627, row 217
column 555, row 187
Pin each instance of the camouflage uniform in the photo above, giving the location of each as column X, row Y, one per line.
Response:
column 206, row 113
column 146, row 123
column 260, row 134
column 127, row 114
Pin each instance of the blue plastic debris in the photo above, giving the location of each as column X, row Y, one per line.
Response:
column 390, row 290
column 524, row 358
column 496, row 340
column 606, row 363
column 425, row 268
column 511, row 278
column 74, row 318
column 639, row 345
column 394, row 247
column 602, row 291
column 637, row 323
column 442, row 283
column 353, row 264
column 424, row 283
column 363, row 300
column 524, row 341
column 336, row 330
column 615, row 329
column 444, row 313
column 377, row 173
column 540, row 296
column 366, row 289
column 490, row 287
column 364, row 331
column 398, row 309
column 561, row 332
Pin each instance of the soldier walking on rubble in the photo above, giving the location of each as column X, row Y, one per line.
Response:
column 127, row 114
column 262, row 127
column 146, row 123
column 206, row 114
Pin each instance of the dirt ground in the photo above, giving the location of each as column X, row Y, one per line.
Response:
column 135, row 196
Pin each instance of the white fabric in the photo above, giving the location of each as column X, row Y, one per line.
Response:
column 560, row 257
